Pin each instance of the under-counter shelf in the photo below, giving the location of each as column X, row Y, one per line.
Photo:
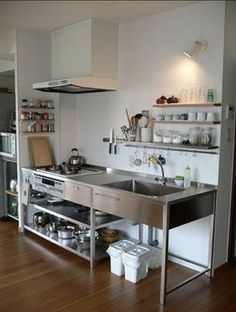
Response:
column 170, row 105
column 13, row 217
column 76, row 214
column 71, row 245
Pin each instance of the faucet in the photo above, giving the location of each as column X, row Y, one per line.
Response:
column 155, row 161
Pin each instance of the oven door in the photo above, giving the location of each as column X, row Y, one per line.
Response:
column 8, row 144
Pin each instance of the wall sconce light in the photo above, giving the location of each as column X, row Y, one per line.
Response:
column 198, row 48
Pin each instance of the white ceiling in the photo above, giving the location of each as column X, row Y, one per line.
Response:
column 50, row 15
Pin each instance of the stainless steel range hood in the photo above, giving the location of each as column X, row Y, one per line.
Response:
column 85, row 84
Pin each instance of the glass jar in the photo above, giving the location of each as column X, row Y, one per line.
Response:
column 194, row 136
column 167, row 137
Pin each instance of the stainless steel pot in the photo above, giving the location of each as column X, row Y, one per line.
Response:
column 52, row 227
column 83, row 238
column 65, row 232
column 41, row 219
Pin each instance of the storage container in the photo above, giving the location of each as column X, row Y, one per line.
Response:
column 136, row 261
column 155, row 256
column 115, row 252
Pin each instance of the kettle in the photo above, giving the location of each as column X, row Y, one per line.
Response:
column 75, row 158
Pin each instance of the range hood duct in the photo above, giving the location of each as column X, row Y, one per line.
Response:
column 87, row 84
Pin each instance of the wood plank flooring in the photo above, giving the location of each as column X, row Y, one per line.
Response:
column 36, row 275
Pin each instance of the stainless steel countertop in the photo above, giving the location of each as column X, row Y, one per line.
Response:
column 108, row 175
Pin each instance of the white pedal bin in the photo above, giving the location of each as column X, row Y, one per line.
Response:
column 155, row 256
column 115, row 252
column 136, row 262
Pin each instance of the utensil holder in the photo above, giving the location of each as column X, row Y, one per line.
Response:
column 146, row 134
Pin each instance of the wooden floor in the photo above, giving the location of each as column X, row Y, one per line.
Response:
column 36, row 275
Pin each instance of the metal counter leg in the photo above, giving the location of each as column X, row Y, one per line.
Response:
column 165, row 223
column 92, row 240
column 212, row 240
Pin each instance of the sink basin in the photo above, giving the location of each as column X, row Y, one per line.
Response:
column 145, row 188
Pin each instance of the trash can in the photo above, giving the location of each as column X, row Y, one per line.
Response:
column 136, row 262
column 155, row 256
column 115, row 252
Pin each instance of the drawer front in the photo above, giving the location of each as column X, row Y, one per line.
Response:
column 77, row 193
column 134, row 208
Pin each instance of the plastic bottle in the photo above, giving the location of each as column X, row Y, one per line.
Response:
column 187, row 176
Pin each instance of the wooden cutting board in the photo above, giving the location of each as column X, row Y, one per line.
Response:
column 40, row 152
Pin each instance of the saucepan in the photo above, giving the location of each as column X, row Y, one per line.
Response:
column 65, row 232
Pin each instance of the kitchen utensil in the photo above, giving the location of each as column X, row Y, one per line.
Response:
column 145, row 156
column 143, row 122
column 52, row 227
column 83, row 238
column 41, row 219
column 115, row 145
column 74, row 159
column 137, row 161
column 40, row 151
column 109, row 235
column 111, row 141
column 128, row 118
column 202, row 94
column 65, row 232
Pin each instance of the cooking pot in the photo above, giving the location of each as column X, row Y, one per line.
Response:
column 41, row 219
column 83, row 238
column 52, row 227
column 65, row 232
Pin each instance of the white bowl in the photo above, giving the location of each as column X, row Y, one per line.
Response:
column 179, row 182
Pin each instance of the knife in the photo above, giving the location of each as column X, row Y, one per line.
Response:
column 111, row 141
column 115, row 145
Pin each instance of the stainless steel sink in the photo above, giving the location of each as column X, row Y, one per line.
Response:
column 145, row 188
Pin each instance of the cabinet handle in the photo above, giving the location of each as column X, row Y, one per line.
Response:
column 107, row 196
column 76, row 188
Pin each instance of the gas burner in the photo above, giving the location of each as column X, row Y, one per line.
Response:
column 63, row 169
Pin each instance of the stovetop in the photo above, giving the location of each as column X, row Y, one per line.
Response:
column 68, row 170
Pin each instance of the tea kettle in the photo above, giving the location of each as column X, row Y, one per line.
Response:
column 75, row 158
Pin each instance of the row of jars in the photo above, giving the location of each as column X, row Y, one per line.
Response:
column 37, row 103
column 38, row 127
column 196, row 136
column 36, row 116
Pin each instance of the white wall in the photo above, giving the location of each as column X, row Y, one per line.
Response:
column 32, row 65
column 151, row 63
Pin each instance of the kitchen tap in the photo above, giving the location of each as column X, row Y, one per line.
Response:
column 155, row 161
